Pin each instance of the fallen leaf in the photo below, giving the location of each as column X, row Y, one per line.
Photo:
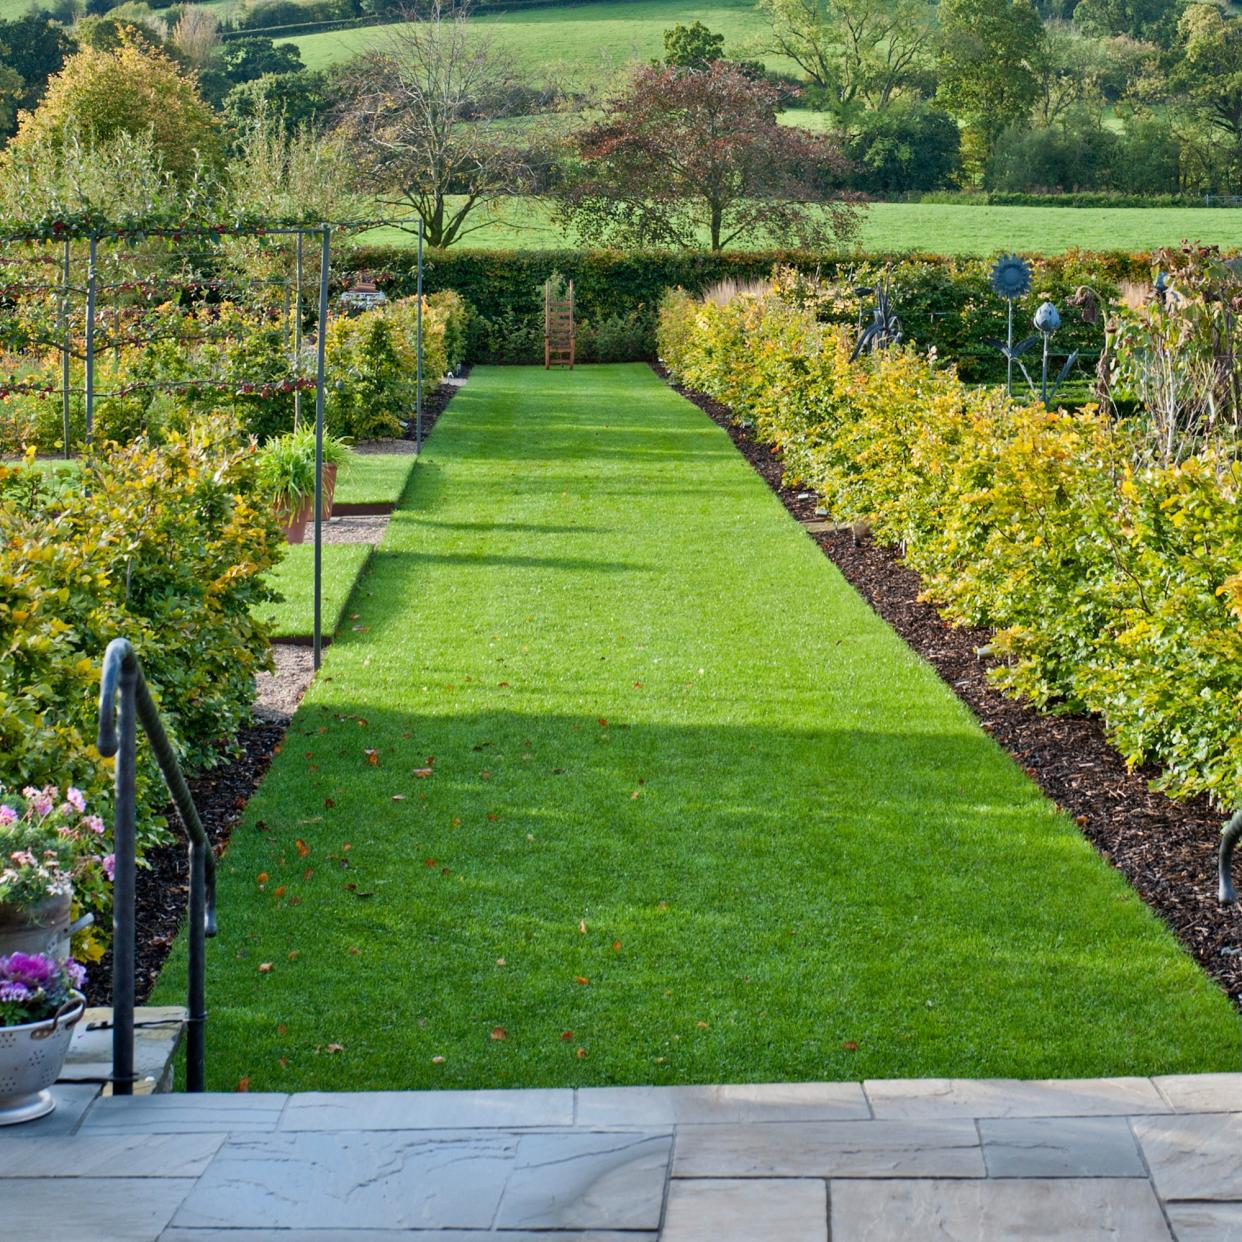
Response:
column 580, row 1053
column 603, row 723
column 334, row 1048
column 581, row 979
column 398, row 797
column 281, row 1029
column 280, row 892
column 493, row 818
column 701, row 1025
column 582, row 927
column 500, row 961
column 243, row 1083
column 372, row 757
column 265, row 968
column 294, row 954
column 849, row 1045
column 437, row 1060
column 262, row 877
column 616, row 946
column 499, row 1032
column 310, row 871
column 422, row 773
column 567, row 1035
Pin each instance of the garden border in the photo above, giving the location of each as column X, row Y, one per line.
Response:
column 1166, row 849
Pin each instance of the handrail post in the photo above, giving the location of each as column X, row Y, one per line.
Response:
column 124, row 702
column 124, row 871
column 1230, row 835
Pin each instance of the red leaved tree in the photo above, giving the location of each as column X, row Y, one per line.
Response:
column 680, row 153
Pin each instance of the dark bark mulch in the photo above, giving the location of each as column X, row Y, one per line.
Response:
column 163, row 886
column 1165, row 848
column 435, row 403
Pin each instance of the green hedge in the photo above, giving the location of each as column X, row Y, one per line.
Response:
column 944, row 302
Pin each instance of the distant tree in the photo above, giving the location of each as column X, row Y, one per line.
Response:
column 907, row 148
column 35, row 48
column 300, row 99
column 196, row 36
column 677, row 154
column 857, row 53
column 254, row 55
column 132, row 90
column 419, row 113
column 1207, row 77
column 989, row 50
column 1154, row 20
column 692, row 47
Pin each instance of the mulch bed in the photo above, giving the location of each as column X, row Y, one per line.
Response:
column 221, row 796
column 1165, row 848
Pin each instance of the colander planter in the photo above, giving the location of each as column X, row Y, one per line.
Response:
column 31, row 1058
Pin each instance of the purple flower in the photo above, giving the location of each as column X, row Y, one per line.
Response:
column 34, row 969
column 109, row 865
column 75, row 972
column 94, row 823
column 7, row 815
column 17, row 992
column 75, row 799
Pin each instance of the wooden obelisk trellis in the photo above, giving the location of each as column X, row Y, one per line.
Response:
column 558, row 326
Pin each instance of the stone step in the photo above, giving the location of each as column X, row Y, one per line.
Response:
column 157, row 1036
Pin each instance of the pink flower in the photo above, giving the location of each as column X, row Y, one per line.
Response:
column 94, row 823
column 7, row 815
column 40, row 801
column 109, row 865
column 75, row 799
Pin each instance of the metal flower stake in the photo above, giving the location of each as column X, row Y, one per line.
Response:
column 1011, row 278
column 885, row 327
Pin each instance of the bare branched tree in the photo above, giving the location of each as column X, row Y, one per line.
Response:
column 423, row 114
column 197, row 35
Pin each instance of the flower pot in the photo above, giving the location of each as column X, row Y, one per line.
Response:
column 31, row 1058
column 295, row 523
column 36, row 929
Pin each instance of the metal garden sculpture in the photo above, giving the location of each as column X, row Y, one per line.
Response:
column 1011, row 278
column 885, row 327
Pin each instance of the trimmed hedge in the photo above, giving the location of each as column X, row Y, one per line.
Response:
column 1113, row 585
column 945, row 303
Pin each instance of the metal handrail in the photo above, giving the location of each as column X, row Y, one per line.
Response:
column 122, row 680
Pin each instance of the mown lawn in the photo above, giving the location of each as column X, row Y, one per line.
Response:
column 293, row 578
column 622, row 783
column 374, row 478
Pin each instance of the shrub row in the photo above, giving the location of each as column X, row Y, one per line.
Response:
column 162, row 545
column 1071, row 198
column 1112, row 586
column 945, row 303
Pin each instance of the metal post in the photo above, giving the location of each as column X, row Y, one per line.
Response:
column 297, row 337
column 418, row 396
column 90, row 341
column 124, row 873
column 1009, row 353
column 320, row 356
column 1230, row 835
column 64, row 361
column 1044, row 379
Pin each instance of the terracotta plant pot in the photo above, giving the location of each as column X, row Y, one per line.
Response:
column 295, row 524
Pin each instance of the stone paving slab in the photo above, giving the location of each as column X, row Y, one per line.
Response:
column 723, row 1210
column 923, row 1099
column 400, row 1235
column 109, row 1156
column 1048, row 1210
column 1193, row 1156
column 587, row 1181
column 72, row 1103
column 752, row 1103
column 98, row 1210
column 1206, row 1222
column 831, row 1149
column 428, row 1110
column 1060, row 1147
column 1202, row 1093
column 185, row 1114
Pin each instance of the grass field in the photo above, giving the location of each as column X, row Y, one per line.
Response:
column 939, row 228
column 575, row 45
column 618, row 781
column 293, row 577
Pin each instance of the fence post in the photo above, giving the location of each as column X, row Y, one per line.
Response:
column 320, row 359
column 90, row 340
column 418, row 365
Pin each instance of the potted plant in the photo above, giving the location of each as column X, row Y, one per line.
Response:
column 286, row 471
column 40, row 1004
column 47, row 844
